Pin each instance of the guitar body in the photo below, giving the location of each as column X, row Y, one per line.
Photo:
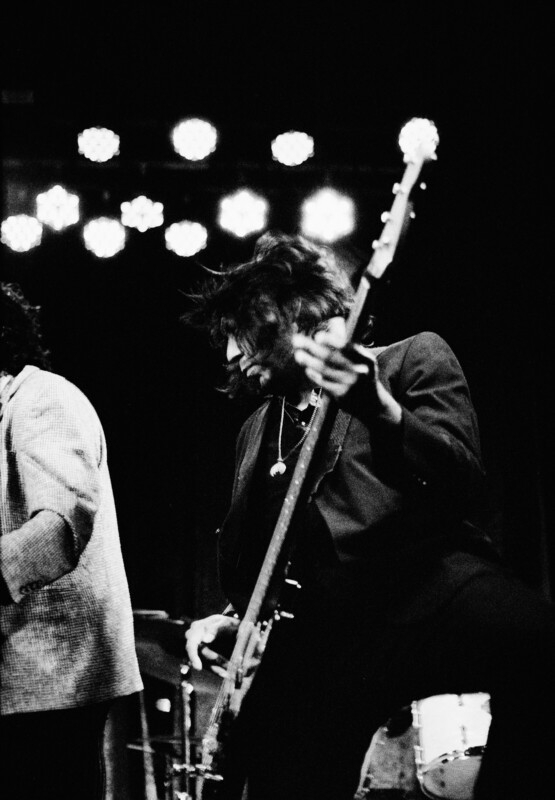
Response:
column 217, row 780
column 218, row 770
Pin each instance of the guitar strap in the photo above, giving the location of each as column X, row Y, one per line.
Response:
column 339, row 430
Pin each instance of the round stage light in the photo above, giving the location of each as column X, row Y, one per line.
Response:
column 98, row 144
column 104, row 237
column 194, row 139
column 21, row 232
column 243, row 213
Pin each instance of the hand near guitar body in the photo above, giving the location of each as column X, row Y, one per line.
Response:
column 205, row 631
column 222, row 630
column 335, row 365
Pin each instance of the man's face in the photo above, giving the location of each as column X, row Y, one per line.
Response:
column 269, row 371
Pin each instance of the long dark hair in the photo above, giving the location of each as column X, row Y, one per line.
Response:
column 20, row 334
column 289, row 279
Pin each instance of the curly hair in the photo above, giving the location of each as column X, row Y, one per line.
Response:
column 289, row 279
column 20, row 333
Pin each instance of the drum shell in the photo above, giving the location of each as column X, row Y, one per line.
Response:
column 451, row 737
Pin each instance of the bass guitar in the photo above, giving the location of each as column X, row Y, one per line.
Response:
column 418, row 140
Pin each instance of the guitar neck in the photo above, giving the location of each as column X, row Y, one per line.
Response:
column 421, row 148
column 383, row 254
column 267, row 570
column 420, row 138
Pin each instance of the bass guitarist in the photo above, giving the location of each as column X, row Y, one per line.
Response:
column 397, row 595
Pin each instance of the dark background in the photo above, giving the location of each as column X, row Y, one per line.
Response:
column 472, row 267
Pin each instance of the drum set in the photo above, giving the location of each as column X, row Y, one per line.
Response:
column 169, row 759
column 430, row 749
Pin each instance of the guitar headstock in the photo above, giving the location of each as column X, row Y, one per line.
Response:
column 418, row 140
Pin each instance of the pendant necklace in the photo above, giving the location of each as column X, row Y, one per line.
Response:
column 279, row 467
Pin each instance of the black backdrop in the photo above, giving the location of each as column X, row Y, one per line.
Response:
column 471, row 267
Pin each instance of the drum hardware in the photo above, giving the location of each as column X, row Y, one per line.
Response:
column 180, row 771
column 184, row 769
column 141, row 748
column 160, row 644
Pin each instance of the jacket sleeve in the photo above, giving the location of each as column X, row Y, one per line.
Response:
column 438, row 444
column 55, row 452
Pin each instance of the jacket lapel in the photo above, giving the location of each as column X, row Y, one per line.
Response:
column 249, row 450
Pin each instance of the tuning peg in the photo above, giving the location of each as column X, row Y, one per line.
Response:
column 386, row 216
column 412, row 215
column 423, row 186
column 398, row 189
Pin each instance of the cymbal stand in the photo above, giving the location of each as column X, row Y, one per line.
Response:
column 185, row 769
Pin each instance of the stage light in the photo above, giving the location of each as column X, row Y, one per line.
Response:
column 243, row 213
column 57, row 208
column 142, row 213
column 186, row 238
column 292, row 148
column 98, row 144
column 21, row 232
column 194, row 139
column 104, row 237
column 327, row 216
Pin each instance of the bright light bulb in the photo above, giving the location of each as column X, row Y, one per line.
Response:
column 142, row 213
column 21, row 232
column 104, row 237
column 194, row 139
column 292, row 148
column 58, row 208
column 327, row 216
column 186, row 238
column 98, row 144
column 243, row 213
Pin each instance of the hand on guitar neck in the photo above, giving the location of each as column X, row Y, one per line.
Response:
column 336, row 365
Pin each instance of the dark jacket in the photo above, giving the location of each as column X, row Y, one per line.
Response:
column 385, row 490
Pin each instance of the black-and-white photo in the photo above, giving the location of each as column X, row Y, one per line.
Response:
column 276, row 514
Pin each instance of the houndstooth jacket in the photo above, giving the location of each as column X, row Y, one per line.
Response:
column 66, row 639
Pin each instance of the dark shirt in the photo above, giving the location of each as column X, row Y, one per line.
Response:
column 308, row 546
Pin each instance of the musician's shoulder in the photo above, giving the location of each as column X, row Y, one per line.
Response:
column 420, row 339
column 425, row 344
